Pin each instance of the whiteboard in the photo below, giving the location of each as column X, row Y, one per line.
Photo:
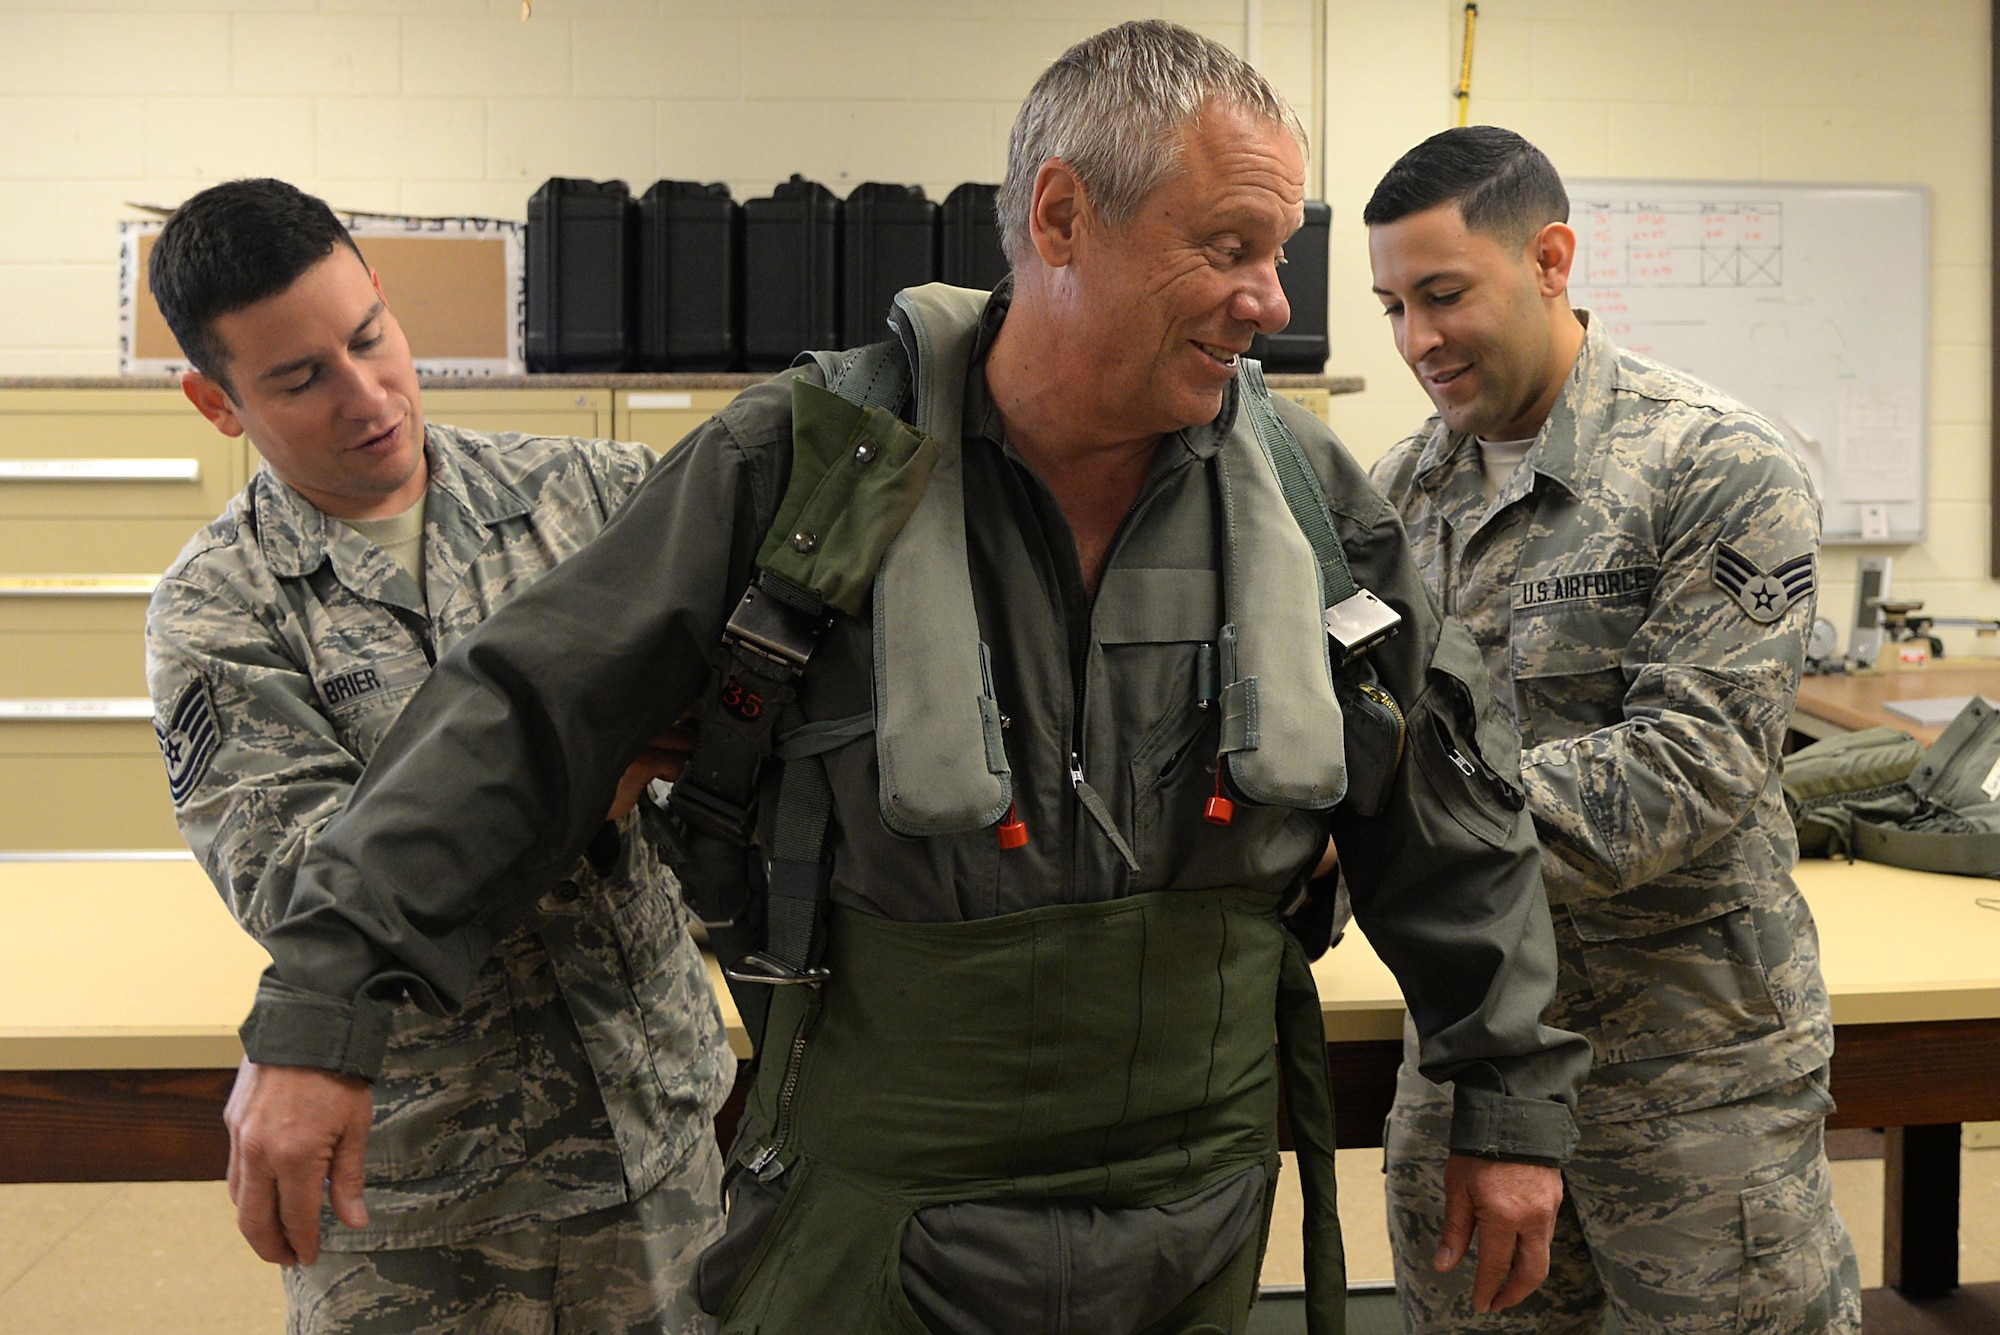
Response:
column 1810, row 303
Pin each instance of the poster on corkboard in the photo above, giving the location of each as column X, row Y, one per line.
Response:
column 457, row 285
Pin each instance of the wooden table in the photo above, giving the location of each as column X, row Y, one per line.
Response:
column 121, row 986
column 1920, row 1233
column 1849, row 702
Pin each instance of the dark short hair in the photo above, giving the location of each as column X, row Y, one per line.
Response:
column 1503, row 185
column 231, row 246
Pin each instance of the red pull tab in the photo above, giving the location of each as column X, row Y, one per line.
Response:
column 1219, row 810
column 1013, row 830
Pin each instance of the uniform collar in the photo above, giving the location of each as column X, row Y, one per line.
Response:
column 1561, row 452
column 463, row 501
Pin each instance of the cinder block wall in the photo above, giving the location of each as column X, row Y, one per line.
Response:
column 455, row 106
column 1775, row 90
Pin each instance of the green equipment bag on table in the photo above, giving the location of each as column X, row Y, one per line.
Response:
column 1879, row 796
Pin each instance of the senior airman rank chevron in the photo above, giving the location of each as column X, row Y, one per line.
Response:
column 1765, row 594
column 188, row 739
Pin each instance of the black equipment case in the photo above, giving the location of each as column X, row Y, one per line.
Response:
column 791, row 274
column 581, row 281
column 890, row 243
column 1302, row 347
column 690, row 278
column 971, row 238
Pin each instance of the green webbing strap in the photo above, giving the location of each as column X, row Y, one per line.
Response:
column 1298, row 482
column 799, row 868
column 1309, row 1107
column 876, row 376
column 1960, row 852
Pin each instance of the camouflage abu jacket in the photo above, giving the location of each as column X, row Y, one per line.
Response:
column 1641, row 590
column 588, row 1057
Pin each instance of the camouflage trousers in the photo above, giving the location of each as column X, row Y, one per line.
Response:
column 618, row 1271
column 1720, row 1219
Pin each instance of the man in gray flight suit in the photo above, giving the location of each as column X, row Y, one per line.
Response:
column 1634, row 553
column 1069, row 608
column 544, row 1157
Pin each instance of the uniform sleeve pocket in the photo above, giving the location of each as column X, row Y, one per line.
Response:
column 1494, row 734
column 1464, row 785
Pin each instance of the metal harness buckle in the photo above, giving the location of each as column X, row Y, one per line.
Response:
column 760, row 967
column 1359, row 622
column 773, row 630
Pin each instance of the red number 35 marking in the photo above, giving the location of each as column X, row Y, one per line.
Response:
column 739, row 702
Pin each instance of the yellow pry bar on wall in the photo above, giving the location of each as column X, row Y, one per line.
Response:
column 1465, row 66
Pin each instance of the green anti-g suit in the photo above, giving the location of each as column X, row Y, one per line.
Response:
column 496, row 772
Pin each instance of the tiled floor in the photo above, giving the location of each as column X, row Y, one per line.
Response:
column 164, row 1258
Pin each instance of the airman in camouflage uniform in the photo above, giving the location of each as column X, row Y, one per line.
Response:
column 1641, row 586
column 545, row 1153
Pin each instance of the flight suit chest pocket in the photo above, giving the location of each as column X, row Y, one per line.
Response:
column 1156, row 630
column 363, row 699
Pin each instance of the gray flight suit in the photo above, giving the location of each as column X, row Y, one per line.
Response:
column 581, row 1071
column 1641, row 589
column 1106, row 733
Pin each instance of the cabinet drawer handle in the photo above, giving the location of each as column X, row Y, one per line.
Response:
column 100, row 470
column 51, row 710
column 78, row 586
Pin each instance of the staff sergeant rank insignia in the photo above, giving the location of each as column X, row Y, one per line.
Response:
column 1765, row 594
column 188, row 739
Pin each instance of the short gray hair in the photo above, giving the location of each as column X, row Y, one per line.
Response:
column 1112, row 107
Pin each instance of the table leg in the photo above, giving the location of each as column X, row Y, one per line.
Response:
column 1920, row 1209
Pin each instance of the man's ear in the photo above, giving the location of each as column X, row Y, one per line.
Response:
column 1055, row 213
column 1553, row 251
column 212, row 401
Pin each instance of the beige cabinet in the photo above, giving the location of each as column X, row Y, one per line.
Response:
column 661, row 419
column 99, row 491
column 544, row 412
column 1318, row 402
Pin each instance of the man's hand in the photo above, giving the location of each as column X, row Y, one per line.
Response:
column 1513, row 1208
column 664, row 758
column 293, row 1132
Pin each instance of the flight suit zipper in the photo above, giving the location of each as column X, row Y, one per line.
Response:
column 765, row 1164
column 1388, row 702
